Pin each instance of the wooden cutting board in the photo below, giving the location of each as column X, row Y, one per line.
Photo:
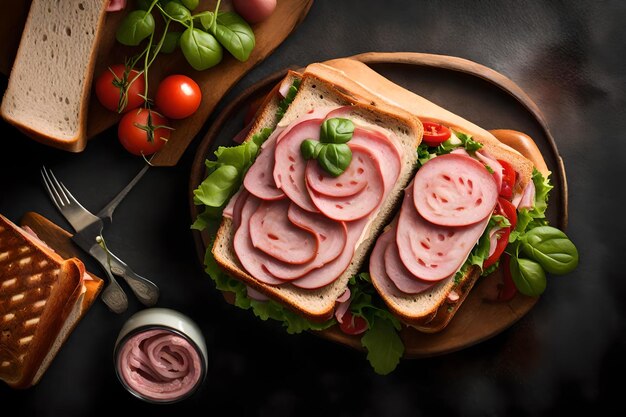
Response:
column 59, row 240
column 214, row 82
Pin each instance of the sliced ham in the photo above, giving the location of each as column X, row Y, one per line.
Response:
column 331, row 271
column 347, row 184
column 397, row 272
column 343, row 304
column 250, row 257
column 332, row 236
column 492, row 163
column 429, row 251
column 356, row 206
column 527, row 198
column 273, row 233
column 259, row 180
column 290, row 166
column 454, row 190
column 382, row 147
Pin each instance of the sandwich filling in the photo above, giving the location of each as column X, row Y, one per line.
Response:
column 294, row 222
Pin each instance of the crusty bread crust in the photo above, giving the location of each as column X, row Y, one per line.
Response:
column 315, row 91
column 23, row 70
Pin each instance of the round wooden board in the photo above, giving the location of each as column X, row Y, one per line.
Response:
column 472, row 91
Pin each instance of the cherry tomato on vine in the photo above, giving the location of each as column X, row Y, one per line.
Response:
column 143, row 131
column 435, row 133
column 508, row 179
column 119, row 91
column 178, row 96
column 353, row 324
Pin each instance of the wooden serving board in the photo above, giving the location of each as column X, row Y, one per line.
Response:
column 214, row 82
column 59, row 240
column 450, row 81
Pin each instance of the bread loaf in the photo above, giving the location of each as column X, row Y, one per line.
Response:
column 48, row 92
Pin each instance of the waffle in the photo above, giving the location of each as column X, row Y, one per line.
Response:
column 38, row 290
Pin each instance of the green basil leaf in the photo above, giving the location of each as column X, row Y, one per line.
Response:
column 235, row 34
column 170, row 42
column 334, row 158
column 528, row 276
column 177, row 11
column 206, row 19
column 135, row 27
column 310, row 149
column 218, row 186
column 191, row 4
column 336, row 130
column 201, row 49
column 551, row 248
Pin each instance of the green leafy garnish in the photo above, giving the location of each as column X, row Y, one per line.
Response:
column 331, row 152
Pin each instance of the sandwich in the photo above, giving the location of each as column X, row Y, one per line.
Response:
column 43, row 296
column 392, row 280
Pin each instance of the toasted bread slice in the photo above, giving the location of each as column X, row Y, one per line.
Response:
column 432, row 310
column 316, row 92
column 42, row 297
column 48, row 92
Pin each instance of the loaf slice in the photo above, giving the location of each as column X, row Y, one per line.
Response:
column 317, row 92
column 47, row 96
column 40, row 295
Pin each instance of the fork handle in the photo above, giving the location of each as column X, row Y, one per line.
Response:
column 145, row 290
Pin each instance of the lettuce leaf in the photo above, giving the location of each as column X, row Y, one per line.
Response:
column 383, row 344
column 284, row 103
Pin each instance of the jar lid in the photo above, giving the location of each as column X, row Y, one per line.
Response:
column 160, row 355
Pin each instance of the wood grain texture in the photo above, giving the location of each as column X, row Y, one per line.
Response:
column 59, row 240
column 214, row 82
column 478, row 318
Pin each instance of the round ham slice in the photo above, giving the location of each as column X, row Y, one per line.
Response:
column 492, row 163
column 250, row 257
column 290, row 166
column 454, row 190
column 273, row 233
column 429, row 251
column 397, row 272
column 385, row 152
column 356, row 206
column 347, row 184
column 332, row 237
column 331, row 271
column 259, row 179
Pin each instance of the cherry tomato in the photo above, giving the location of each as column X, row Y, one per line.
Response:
column 143, row 131
column 353, row 324
column 178, row 96
column 113, row 82
column 507, row 209
column 254, row 11
column 508, row 179
column 435, row 133
column 507, row 288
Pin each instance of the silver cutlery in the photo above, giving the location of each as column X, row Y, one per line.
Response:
column 88, row 228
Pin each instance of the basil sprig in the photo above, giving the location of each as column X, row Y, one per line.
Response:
column 331, row 152
column 205, row 34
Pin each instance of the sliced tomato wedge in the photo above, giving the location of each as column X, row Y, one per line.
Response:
column 353, row 324
column 506, row 209
column 508, row 179
column 435, row 133
column 507, row 288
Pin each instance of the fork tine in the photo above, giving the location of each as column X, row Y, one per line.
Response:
column 52, row 192
column 60, row 188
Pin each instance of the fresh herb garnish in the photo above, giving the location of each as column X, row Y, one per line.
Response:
column 331, row 152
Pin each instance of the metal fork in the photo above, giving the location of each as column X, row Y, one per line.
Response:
column 88, row 227
column 80, row 219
